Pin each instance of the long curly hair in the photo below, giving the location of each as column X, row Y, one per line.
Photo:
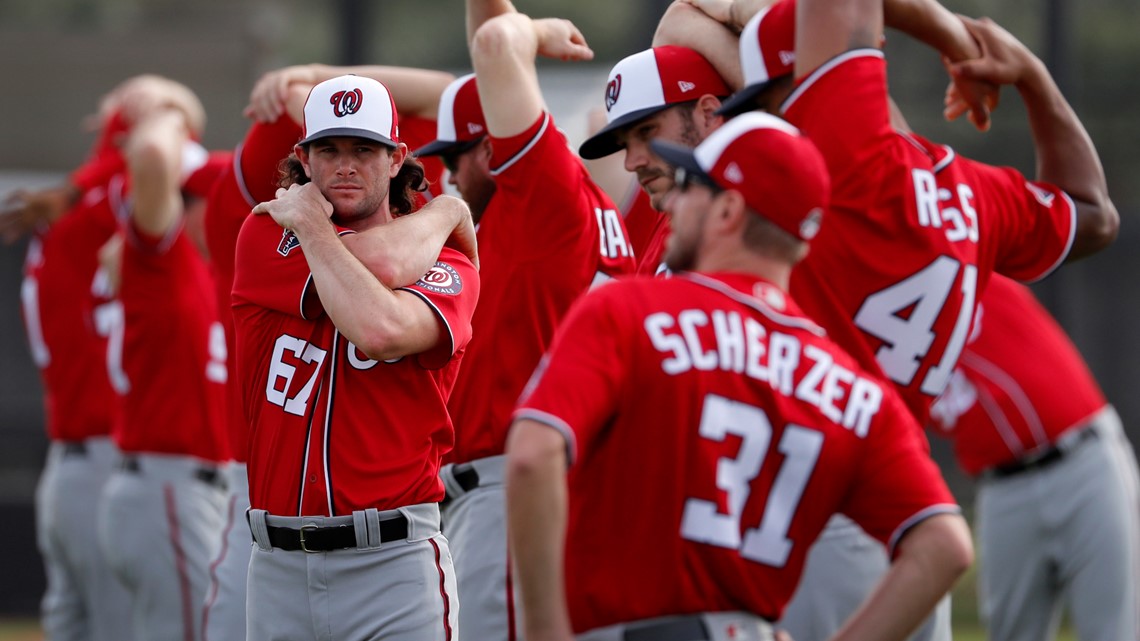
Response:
column 401, row 192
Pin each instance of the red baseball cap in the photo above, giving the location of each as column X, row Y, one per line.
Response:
column 779, row 171
column 647, row 82
column 460, row 122
column 767, row 53
column 351, row 106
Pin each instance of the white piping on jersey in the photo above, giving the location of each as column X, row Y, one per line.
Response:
column 921, row 515
column 1068, row 244
column 600, row 278
column 1008, row 384
column 556, row 423
column 240, row 177
column 546, row 118
column 328, row 422
column 754, row 303
column 941, row 164
column 826, row 67
column 1000, row 421
column 450, row 334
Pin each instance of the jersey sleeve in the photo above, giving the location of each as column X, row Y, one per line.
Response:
column 1037, row 221
column 261, row 152
column 842, row 107
column 451, row 289
column 270, row 269
column 898, row 485
column 577, row 385
column 554, row 204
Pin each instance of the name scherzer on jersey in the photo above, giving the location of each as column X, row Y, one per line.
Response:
column 548, row 234
column 913, row 232
column 333, row 431
column 716, row 397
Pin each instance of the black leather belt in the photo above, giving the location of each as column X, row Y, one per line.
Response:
column 1042, row 459
column 311, row 538
column 466, row 476
column 75, row 448
column 207, row 475
column 689, row 628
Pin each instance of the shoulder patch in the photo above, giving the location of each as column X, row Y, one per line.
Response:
column 441, row 279
column 288, row 243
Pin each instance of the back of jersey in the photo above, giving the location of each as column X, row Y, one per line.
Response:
column 715, row 401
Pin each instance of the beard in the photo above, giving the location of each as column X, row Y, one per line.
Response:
column 478, row 197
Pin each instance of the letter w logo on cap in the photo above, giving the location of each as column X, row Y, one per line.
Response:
column 346, row 102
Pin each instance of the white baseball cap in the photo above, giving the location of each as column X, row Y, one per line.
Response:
column 647, row 82
column 351, row 106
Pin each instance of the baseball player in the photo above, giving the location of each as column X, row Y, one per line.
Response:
column 160, row 512
column 83, row 600
column 276, row 105
column 759, row 428
column 546, row 234
column 345, row 382
column 1057, row 496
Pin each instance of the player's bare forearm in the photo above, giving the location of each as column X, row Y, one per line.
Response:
column 929, row 22
column 503, row 54
column 154, row 160
column 687, row 26
column 536, row 517
column 400, row 252
column 930, row 559
column 828, row 28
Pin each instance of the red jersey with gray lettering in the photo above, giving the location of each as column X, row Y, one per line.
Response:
column 251, row 178
column 331, row 430
column 913, row 232
column 548, row 234
column 173, row 352
column 1020, row 384
column 67, row 328
column 716, row 399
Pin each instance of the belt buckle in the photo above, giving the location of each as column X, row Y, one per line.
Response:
column 307, row 526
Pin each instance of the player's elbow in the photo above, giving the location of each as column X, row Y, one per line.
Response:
column 1098, row 225
column 533, row 452
column 496, row 38
column 941, row 547
column 674, row 25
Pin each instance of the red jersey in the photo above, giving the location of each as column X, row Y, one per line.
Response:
column 714, row 398
column 1003, row 404
column 548, row 233
column 648, row 231
column 251, row 178
column 173, row 350
column 415, row 132
column 67, row 334
column 913, row 232
column 331, row 430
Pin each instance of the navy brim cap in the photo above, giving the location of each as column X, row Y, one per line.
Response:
column 349, row 132
column 678, row 156
column 443, row 147
column 605, row 141
column 743, row 100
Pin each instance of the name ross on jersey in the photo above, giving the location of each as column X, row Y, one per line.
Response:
column 744, row 346
column 937, row 205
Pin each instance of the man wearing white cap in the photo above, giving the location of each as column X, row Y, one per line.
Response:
column 345, row 380
column 757, row 429
column 547, row 233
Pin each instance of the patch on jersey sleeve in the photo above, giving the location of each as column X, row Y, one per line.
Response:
column 441, row 279
column 1043, row 196
column 288, row 243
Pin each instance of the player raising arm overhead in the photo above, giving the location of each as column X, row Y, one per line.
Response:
column 756, row 430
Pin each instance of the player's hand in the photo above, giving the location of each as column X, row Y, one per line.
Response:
column 1004, row 61
column 22, row 212
column 297, row 206
column 975, row 98
column 559, row 38
column 463, row 236
column 268, row 97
